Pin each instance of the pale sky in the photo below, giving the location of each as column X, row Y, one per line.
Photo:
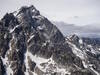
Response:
column 79, row 12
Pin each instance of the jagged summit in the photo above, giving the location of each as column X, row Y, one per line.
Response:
column 72, row 37
column 25, row 36
column 29, row 10
column 31, row 45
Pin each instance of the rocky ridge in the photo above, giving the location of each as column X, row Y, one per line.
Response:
column 31, row 45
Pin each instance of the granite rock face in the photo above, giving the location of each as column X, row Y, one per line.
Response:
column 31, row 45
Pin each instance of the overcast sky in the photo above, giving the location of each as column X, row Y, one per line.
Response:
column 79, row 12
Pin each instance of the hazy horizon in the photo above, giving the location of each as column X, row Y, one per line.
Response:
column 92, row 31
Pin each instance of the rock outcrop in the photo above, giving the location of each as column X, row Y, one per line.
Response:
column 31, row 45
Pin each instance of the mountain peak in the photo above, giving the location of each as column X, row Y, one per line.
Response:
column 27, row 9
column 25, row 34
column 73, row 37
column 31, row 45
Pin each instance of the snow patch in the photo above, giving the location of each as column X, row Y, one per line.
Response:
column 77, row 52
column 26, row 63
column 40, row 17
column 40, row 27
column 38, row 60
column 94, row 71
column 99, row 49
column 30, row 38
column 6, row 62
column 44, row 44
column 34, row 73
column 94, row 51
column 81, row 41
column 7, row 65
column 84, row 64
column 11, row 30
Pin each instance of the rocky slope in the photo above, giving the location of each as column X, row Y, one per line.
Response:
column 31, row 45
column 88, row 50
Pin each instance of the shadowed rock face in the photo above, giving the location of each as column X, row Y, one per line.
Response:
column 2, row 69
column 27, row 40
column 82, row 73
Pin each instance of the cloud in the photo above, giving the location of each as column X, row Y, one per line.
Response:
column 76, row 17
column 87, row 30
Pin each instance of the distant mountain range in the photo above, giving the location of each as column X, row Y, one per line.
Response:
column 92, row 30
